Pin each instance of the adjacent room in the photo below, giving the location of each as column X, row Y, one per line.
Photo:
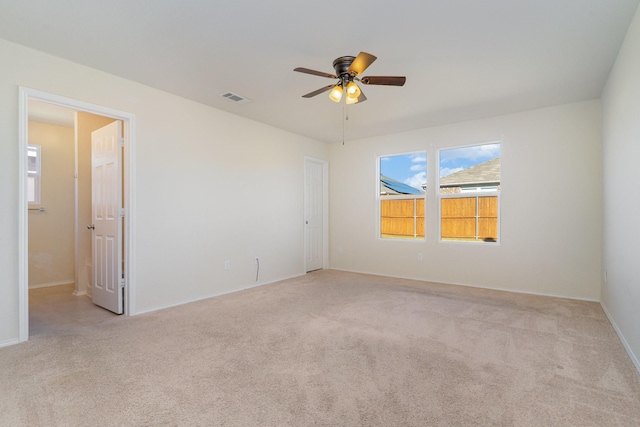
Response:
column 341, row 213
column 59, row 209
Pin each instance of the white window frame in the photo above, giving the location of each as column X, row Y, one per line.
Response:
column 485, row 189
column 480, row 191
column 36, row 175
column 380, row 198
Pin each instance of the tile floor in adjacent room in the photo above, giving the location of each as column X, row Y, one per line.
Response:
column 54, row 308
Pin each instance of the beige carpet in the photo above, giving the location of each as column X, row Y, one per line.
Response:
column 330, row 349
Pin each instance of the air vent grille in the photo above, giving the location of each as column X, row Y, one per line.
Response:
column 234, row 97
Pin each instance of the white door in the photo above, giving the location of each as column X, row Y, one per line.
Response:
column 313, row 214
column 106, row 205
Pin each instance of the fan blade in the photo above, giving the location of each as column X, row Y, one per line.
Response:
column 362, row 61
column 315, row 73
column 384, row 80
column 318, row 92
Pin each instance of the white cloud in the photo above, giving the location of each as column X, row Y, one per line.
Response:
column 477, row 152
column 420, row 160
column 448, row 171
column 417, row 180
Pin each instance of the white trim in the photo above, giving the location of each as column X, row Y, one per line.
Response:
column 626, row 345
column 50, row 284
column 325, row 210
column 9, row 343
column 129, row 231
column 76, row 209
column 128, row 119
column 189, row 301
column 23, row 206
column 325, row 214
column 479, row 189
column 489, row 288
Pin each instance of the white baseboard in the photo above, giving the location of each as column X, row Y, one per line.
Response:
column 515, row 291
column 9, row 342
column 214, row 295
column 49, row 284
column 79, row 293
column 626, row 345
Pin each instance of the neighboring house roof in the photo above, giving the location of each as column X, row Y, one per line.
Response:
column 391, row 186
column 482, row 173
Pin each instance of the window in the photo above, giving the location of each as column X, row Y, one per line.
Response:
column 34, row 173
column 469, row 193
column 401, row 197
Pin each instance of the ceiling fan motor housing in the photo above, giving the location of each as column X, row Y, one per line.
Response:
column 341, row 65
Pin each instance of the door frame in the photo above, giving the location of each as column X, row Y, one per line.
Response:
column 325, row 210
column 128, row 122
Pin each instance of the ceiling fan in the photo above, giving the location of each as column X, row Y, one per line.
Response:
column 348, row 68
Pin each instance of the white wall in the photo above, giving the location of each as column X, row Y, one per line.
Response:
column 550, row 205
column 51, row 233
column 210, row 186
column 621, row 152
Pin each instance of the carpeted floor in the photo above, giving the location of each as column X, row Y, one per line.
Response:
column 330, row 349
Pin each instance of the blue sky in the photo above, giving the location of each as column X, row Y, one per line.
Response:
column 412, row 168
column 408, row 168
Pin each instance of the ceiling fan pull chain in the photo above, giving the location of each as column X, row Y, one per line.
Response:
column 344, row 115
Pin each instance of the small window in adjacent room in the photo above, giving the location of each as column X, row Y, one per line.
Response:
column 34, row 175
column 469, row 193
column 402, row 182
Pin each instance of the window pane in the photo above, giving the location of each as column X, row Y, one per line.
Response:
column 403, row 174
column 469, row 218
column 403, row 182
column 474, row 168
column 33, row 172
column 475, row 172
column 402, row 218
column 32, row 165
column 31, row 189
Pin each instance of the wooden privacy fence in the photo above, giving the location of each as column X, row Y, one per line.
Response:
column 402, row 218
column 469, row 218
column 462, row 218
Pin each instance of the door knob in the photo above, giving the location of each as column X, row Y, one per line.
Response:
column 91, row 227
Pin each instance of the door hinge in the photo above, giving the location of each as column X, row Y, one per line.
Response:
column 121, row 213
column 121, row 142
column 122, row 284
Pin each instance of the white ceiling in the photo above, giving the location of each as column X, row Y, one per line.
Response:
column 463, row 59
column 50, row 113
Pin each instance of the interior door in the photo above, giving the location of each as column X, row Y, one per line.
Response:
column 313, row 214
column 106, row 205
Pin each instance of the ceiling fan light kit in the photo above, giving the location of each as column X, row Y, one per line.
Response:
column 347, row 70
column 336, row 93
column 353, row 90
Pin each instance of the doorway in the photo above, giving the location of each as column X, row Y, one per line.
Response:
column 81, row 265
